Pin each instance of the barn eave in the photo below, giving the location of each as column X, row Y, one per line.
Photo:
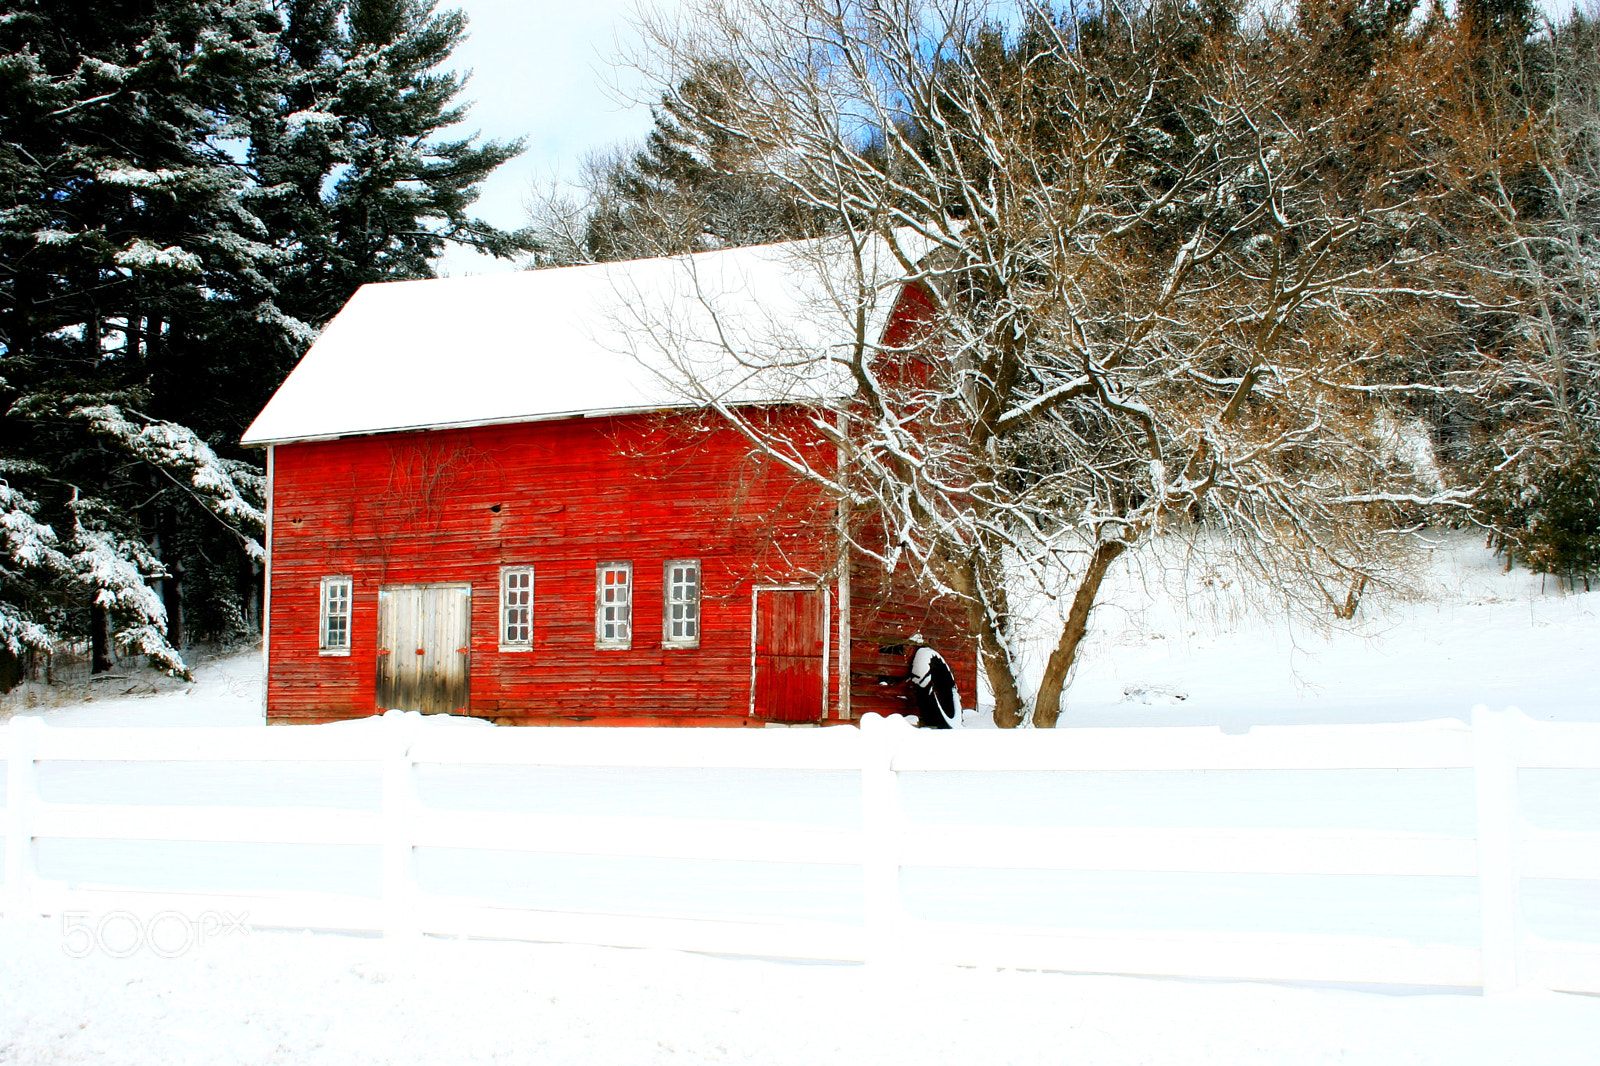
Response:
column 509, row 420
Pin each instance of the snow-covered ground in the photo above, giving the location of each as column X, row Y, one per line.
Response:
column 1480, row 635
column 343, row 1001
column 1476, row 635
column 226, row 692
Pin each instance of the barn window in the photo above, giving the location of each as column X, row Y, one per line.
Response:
column 516, row 608
column 613, row 616
column 334, row 627
column 680, row 618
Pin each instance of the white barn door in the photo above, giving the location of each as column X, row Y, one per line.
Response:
column 424, row 648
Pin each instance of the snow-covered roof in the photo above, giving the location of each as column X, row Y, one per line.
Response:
column 750, row 325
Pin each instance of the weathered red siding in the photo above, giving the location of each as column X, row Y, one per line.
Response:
column 886, row 610
column 456, row 505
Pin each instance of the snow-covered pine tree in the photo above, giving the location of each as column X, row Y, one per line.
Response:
column 127, row 234
column 352, row 164
column 31, row 563
column 188, row 189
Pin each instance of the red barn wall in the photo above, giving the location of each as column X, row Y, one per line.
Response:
column 456, row 505
column 887, row 608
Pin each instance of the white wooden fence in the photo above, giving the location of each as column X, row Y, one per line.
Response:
column 1503, row 852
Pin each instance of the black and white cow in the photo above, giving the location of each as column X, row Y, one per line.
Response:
column 934, row 688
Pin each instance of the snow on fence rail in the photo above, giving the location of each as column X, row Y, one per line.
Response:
column 1502, row 853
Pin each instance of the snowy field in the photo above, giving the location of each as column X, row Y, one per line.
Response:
column 303, row 999
column 1479, row 636
column 1476, row 635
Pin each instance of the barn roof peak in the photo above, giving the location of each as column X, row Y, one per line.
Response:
column 753, row 323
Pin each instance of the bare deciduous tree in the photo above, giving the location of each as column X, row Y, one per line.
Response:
column 1159, row 269
column 1518, row 149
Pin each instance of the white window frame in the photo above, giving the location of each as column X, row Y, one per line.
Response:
column 502, row 625
column 623, row 639
column 668, row 602
column 324, row 613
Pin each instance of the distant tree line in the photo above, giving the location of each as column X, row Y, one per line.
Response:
column 189, row 189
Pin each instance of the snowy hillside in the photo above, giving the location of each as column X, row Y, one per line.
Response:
column 226, row 692
column 1477, row 635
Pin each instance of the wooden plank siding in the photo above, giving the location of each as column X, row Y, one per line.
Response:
column 791, row 640
column 449, row 506
column 886, row 610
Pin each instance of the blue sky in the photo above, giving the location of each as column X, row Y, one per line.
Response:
column 541, row 69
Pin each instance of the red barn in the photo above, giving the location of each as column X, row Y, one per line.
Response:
column 487, row 495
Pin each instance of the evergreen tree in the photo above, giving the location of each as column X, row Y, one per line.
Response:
column 691, row 187
column 1499, row 21
column 361, row 181
column 1544, row 510
column 188, row 190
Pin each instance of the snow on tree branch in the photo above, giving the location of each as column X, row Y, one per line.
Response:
column 118, row 569
column 28, row 543
column 233, row 491
column 19, row 634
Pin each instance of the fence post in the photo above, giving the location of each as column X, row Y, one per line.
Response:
column 880, row 829
column 20, row 792
column 1494, row 736
column 399, row 806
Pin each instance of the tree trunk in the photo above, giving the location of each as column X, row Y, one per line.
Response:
column 100, row 660
column 250, row 593
column 133, row 339
column 172, row 600
column 12, row 669
column 1047, row 706
column 172, row 584
column 258, row 598
column 993, row 656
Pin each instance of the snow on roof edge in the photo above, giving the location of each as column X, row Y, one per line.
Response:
column 529, row 346
column 510, row 420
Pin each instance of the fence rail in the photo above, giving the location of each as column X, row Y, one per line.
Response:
column 1500, row 855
